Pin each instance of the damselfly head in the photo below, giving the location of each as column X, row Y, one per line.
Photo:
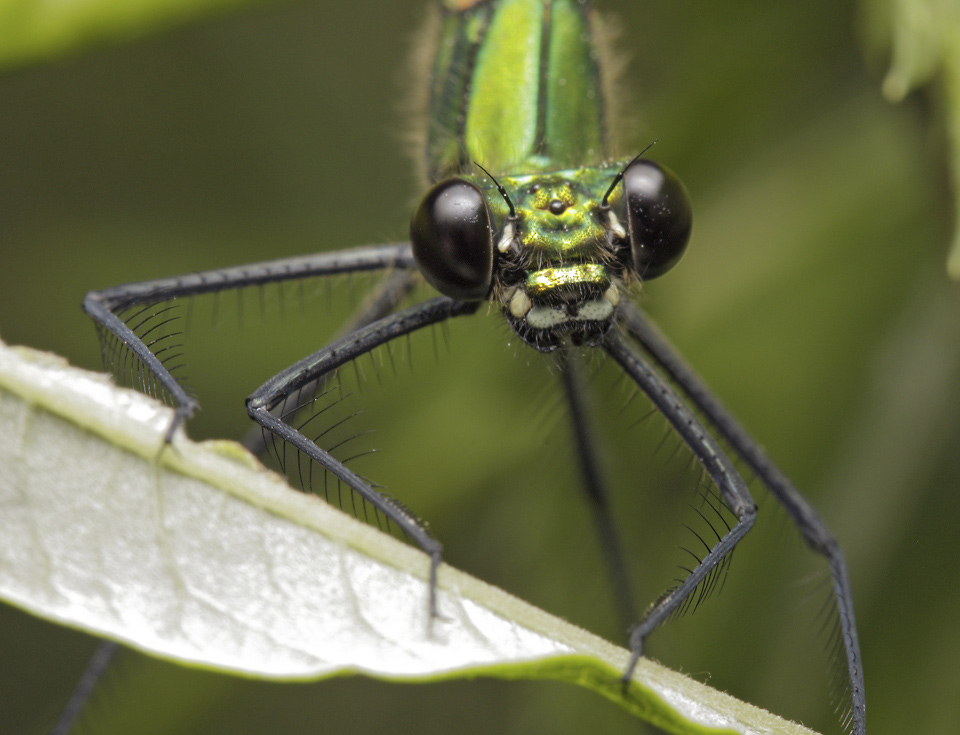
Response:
column 554, row 249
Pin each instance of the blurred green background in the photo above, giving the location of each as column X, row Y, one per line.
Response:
column 813, row 299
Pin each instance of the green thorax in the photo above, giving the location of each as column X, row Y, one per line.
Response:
column 560, row 212
column 516, row 88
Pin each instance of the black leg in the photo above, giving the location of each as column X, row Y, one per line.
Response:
column 714, row 461
column 381, row 301
column 804, row 516
column 103, row 306
column 92, row 675
column 275, row 392
column 594, row 486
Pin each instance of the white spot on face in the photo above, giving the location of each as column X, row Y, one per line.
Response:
column 545, row 317
column 507, row 239
column 616, row 226
column 520, row 304
column 594, row 311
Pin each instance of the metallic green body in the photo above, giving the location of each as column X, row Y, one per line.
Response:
column 516, row 88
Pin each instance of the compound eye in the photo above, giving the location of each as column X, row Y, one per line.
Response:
column 452, row 240
column 659, row 217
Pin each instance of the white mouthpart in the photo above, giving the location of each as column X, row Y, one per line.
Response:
column 520, row 303
column 543, row 316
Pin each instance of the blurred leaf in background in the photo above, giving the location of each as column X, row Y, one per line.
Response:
column 922, row 38
column 813, row 299
column 34, row 31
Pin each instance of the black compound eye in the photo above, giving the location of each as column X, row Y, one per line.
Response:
column 659, row 217
column 452, row 240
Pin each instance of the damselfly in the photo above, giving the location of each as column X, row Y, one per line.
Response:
column 532, row 211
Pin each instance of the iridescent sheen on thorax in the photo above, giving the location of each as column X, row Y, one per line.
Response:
column 516, row 87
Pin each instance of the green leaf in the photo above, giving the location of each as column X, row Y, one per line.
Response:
column 923, row 39
column 31, row 30
column 197, row 554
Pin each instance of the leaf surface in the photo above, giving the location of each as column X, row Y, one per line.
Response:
column 197, row 554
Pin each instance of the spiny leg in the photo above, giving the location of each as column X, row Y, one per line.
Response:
column 381, row 301
column 96, row 667
column 103, row 306
column 710, row 456
column 593, row 484
column 811, row 526
column 274, row 393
